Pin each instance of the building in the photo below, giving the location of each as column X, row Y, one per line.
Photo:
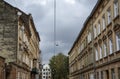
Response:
column 46, row 72
column 2, row 68
column 96, row 52
column 19, row 43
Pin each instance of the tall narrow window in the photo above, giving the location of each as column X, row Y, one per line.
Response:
column 18, row 75
column 105, row 49
column 109, row 15
column 118, row 41
column 100, row 52
column 119, row 73
column 91, row 76
column 113, row 74
column 115, row 8
column 111, row 45
column 99, row 27
column 103, row 22
column 97, row 76
column 95, row 32
column 101, row 74
column 96, row 53
column 89, row 37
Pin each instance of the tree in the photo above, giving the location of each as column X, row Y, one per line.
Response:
column 60, row 66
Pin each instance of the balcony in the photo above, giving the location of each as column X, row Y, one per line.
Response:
column 35, row 71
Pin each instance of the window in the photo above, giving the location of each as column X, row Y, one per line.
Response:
column 118, row 73
column 22, row 31
column 95, row 32
column 100, row 52
column 18, row 75
column 102, row 75
column 113, row 74
column 97, row 77
column 103, row 22
column 109, row 15
column 99, row 27
column 43, row 76
column 91, row 76
column 115, row 8
column 118, row 41
column 111, row 46
column 89, row 37
column 96, row 53
column 105, row 49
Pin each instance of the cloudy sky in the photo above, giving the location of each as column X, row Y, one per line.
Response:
column 70, row 16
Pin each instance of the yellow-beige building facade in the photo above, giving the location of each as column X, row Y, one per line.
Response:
column 95, row 53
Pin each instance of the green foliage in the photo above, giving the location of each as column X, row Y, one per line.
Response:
column 60, row 66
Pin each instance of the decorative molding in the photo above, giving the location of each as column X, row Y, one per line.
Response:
column 104, row 37
column 109, row 32
column 116, row 27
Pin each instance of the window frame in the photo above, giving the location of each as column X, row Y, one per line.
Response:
column 116, row 8
column 103, row 22
column 96, row 54
column 109, row 18
column 110, row 45
column 117, row 41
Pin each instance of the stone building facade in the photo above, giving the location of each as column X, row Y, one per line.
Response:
column 19, row 42
column 96, row 52
column 2, row 68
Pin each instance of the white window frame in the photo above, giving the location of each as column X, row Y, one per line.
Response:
column 118, row 41
column 95, row 32
column 109, row 16
column 99, row 28
column 105, row 49
column 103, row 22
column 91, row 76
column 96, row 54
column 89, row 37
column 116, row 7
column 100, row 51
column 111, row 45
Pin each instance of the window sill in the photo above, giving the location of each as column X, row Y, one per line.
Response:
column 103, row 30
column 109, row 24
column 117, row 52
column 111, row 54
column 116, row 17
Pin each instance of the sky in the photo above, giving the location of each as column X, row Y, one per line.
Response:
column 70, row 17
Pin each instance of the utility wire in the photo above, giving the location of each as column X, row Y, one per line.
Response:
column 54, row 27
column 54, row 13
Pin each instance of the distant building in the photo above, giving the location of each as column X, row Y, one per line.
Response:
column 19, row 43
column 96, row 52
column 46, row 72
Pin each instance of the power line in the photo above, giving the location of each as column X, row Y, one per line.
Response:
column 54, row 34
column 54, row 27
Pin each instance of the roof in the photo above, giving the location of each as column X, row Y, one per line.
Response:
column 84, row 25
